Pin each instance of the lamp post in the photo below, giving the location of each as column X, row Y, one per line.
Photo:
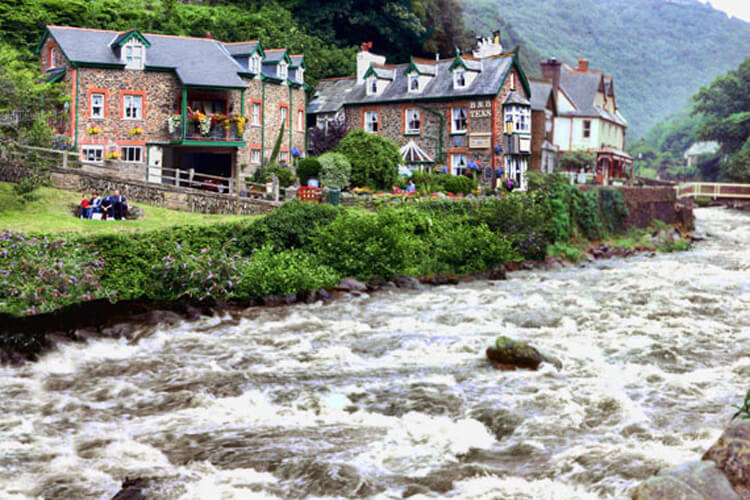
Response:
column 498, row 155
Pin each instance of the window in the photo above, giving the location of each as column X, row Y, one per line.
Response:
column 587, row 128
column 372, row 86
column 255, row 114
column 512, row 80
column 458, row 163
column 133, row 55
column 283, row 70
column 132, row 107
column 97, row 105
column 515, row 168
column 300, row 75
column 255, row 156
column 254, row 64
column 92, row 153
column 413, row 83
column 282, row 115
column 300, row 120
column 413, row 123
column 520, row 117
column 131, row 154
column 371, row 121
column 459, row 79
column 458, row 122
column 51, row 61
column 284, row 156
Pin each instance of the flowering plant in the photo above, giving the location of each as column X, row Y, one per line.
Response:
column 174, row 123
column 509, row 184
column 135, row 131
column 239, row 122
column 296, row 152
column 93, row 131
column 112, row 155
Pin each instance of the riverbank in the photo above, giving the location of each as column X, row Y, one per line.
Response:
column 292, row 254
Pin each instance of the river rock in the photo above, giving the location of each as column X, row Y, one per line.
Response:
column 731, row 453
column 132, row 489
column 407, row 283
column 510, row 354
column 350, row 285
column 691, row 481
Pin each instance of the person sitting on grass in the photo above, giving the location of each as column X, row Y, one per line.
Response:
column 119, row 205
column 83, row 205
column 95, row 205
column 107, row 207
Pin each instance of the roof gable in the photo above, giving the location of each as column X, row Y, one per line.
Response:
column 420, row 69
column 124, row 37
column 245, row 49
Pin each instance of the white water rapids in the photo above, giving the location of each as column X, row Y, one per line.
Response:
column 391, row 394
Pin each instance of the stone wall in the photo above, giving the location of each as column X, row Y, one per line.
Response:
column 171, row 197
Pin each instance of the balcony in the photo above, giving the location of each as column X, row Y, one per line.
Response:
column 207, row 118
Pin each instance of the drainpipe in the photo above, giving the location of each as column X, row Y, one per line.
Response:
column 290, row 114
column 184, row 111
column 75, row 137
column 263, row 125
column 442, row 127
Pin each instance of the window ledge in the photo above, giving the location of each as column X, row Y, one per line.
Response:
column 412, row 133
column 463, row 132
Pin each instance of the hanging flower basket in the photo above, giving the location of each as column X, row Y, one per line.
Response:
column 174, row 123
column 135, row 131
column 93, row 131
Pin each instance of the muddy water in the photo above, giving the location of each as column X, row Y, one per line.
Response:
column 390, row 394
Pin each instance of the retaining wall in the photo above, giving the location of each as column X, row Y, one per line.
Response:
column 159, row 195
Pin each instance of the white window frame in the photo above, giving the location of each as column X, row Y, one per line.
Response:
column 129, row 103
column 93, row 106
column 284, row 156
column 520, row 116
column 300, row 120
column 131, row 154
column 408, row 115
column 255, row 156
column 369, row 115
column 255, row 114
column 134, row 54
column 459, row 79
column 413, row 78
column 283, row 115
column 92, row 150
column 586, row 133
column 512, row 80
column 455, row 130
column 52, row 56
column 283, row 70
column 372, row 82
column 254, row 64
column 459, row 162
column 300, row 77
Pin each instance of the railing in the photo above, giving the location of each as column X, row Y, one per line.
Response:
column 713, row 190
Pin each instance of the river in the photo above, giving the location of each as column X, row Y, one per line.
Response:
column 390, row 393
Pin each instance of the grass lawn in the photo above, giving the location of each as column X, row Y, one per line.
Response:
column 50, row 213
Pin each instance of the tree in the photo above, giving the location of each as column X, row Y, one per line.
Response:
column 374, row 159
column 573, row 161
column 321, row 140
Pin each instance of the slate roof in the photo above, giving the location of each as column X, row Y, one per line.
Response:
column 540, row 92
column 195, row 61
column 329, row 97
column 581, row 88
column 515, row 97
column 425, row 69
column 274, row 55
column 297, row 60
column 241, row 49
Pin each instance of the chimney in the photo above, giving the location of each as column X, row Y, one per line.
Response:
column 583, row 64
column 496, row 37
column 364, row 59
column 437, row 62
column 551, row 71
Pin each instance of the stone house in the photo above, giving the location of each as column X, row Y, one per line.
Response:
column 588, row 118
column 161, row 101
column 543, row 111
column 469, row 112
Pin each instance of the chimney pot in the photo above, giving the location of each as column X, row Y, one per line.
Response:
column 583, row 64
column 208, row 34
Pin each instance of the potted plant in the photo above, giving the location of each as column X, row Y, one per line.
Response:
column 110, row 157
column 174, row 124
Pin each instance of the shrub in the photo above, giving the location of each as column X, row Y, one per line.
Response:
column 284, row 174
column 307, row 168
column 612, row 210
column 335, row 170
column 575, row 160
column 458, row 184
column 322, row 140
column 466, row 248
column 290, row 226
column 374, row 159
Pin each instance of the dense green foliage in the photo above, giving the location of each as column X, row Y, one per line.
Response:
column 307, row 168
column 658, row 52
column 575, row 160
column 284, row 173
column 299, row 247
column 374, row 159
column 458, row 184
column 335, row 170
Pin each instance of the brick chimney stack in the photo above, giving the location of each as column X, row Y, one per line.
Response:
column 583, row 64
column 551, row 71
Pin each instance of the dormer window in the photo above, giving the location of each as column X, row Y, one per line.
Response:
column 254, row 64
column 413, row 83
column 134, row 55
column 372, row 86
column 283, row 70
column 459, row 79
column 300, row 77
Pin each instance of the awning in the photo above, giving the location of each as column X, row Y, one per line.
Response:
column 52, row 75
column 412, row 153
column 614, row 154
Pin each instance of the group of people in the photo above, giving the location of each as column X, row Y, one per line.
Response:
column 113, row 206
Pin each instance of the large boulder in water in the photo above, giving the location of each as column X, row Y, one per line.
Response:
column 511, row 354
column 731, row 453
column 691, row 481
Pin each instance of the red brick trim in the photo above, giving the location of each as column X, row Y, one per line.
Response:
column 88, row 140
column 465, row 105
column 286, row 127
column 454, row 151
column 260, row 114
column 131, row 142
column 300, row 109
column 364, row 110
column 404, row 107
column 144, row 106
column 105, row 104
